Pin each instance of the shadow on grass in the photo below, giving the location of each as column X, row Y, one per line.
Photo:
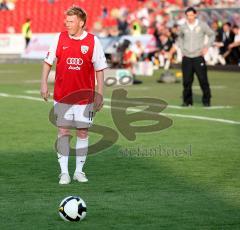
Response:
column 122, row 193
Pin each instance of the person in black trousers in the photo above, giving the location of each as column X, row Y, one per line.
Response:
column 189, row 67
column 191, row 41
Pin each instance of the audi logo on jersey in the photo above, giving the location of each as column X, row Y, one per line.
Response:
column 74, row 61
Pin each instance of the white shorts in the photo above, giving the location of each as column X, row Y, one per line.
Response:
column 73, row 116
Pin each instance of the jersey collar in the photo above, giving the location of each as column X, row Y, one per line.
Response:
column 84, row 34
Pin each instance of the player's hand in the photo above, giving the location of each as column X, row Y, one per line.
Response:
column 44, row 92
column 230, row 46
column 98, row 102
column 218, row 44
column 204, row 51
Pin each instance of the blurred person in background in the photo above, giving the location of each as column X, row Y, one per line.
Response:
column 130, row 60
column 227, row 37
column 174, row 30
column 192, row 43
column 136, row 28
column 166, row 51
column 104, row 12
column 176, row 51
column 27, row 31
column 138, row 49
column 4, row 5
column 213, row 55
column 234, row 47
column 122, row 26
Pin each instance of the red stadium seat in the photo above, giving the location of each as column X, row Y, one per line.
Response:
column 48, row 17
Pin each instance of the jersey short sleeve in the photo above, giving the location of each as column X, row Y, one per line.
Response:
column 98, row 59
column 51, row 55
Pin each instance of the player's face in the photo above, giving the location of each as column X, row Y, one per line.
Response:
column 74, row 25
column 191, row 16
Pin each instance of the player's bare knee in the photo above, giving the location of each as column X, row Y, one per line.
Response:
column 82, row 133
column 63, row 132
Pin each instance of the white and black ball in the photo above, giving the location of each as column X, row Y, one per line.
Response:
column 72, row 208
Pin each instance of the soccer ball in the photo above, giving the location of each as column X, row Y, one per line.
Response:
column 72, row 208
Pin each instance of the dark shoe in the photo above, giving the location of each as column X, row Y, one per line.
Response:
column 135, row 81
column 186, row 105
column 207, row 104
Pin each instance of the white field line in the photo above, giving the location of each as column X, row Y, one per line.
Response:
column 21, row 97
column 138, row 110
column 32, row 81
column 168, row 106
column 181, row 115
column 32, row 92
column 10, row 71
column 152, row 104
column 203, row 118
column 211, row 86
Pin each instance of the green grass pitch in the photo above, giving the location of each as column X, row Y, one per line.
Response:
column 200, row 190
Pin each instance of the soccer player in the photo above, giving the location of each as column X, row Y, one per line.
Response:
column 80, row 58
column 191, row 41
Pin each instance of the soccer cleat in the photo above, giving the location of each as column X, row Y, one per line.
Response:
column 64, row 178
column 80, row 177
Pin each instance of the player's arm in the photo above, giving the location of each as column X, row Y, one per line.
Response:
column 47, row 65
column 234, row 44
column 211, row 35
column 211, row 38
column 100, row 63
column 98, row 103
column 44, row 86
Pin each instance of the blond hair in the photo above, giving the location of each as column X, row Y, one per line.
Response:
column 79, row 12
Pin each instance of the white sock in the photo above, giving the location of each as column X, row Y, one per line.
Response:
column 161, row 60
column 63, row 162
column 63, row 153
column 167, row 65
column 81, row 153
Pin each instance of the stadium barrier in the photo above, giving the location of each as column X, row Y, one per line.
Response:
column 11, row 44
column 112, row 77
column 38, row 46
column 40, row 43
